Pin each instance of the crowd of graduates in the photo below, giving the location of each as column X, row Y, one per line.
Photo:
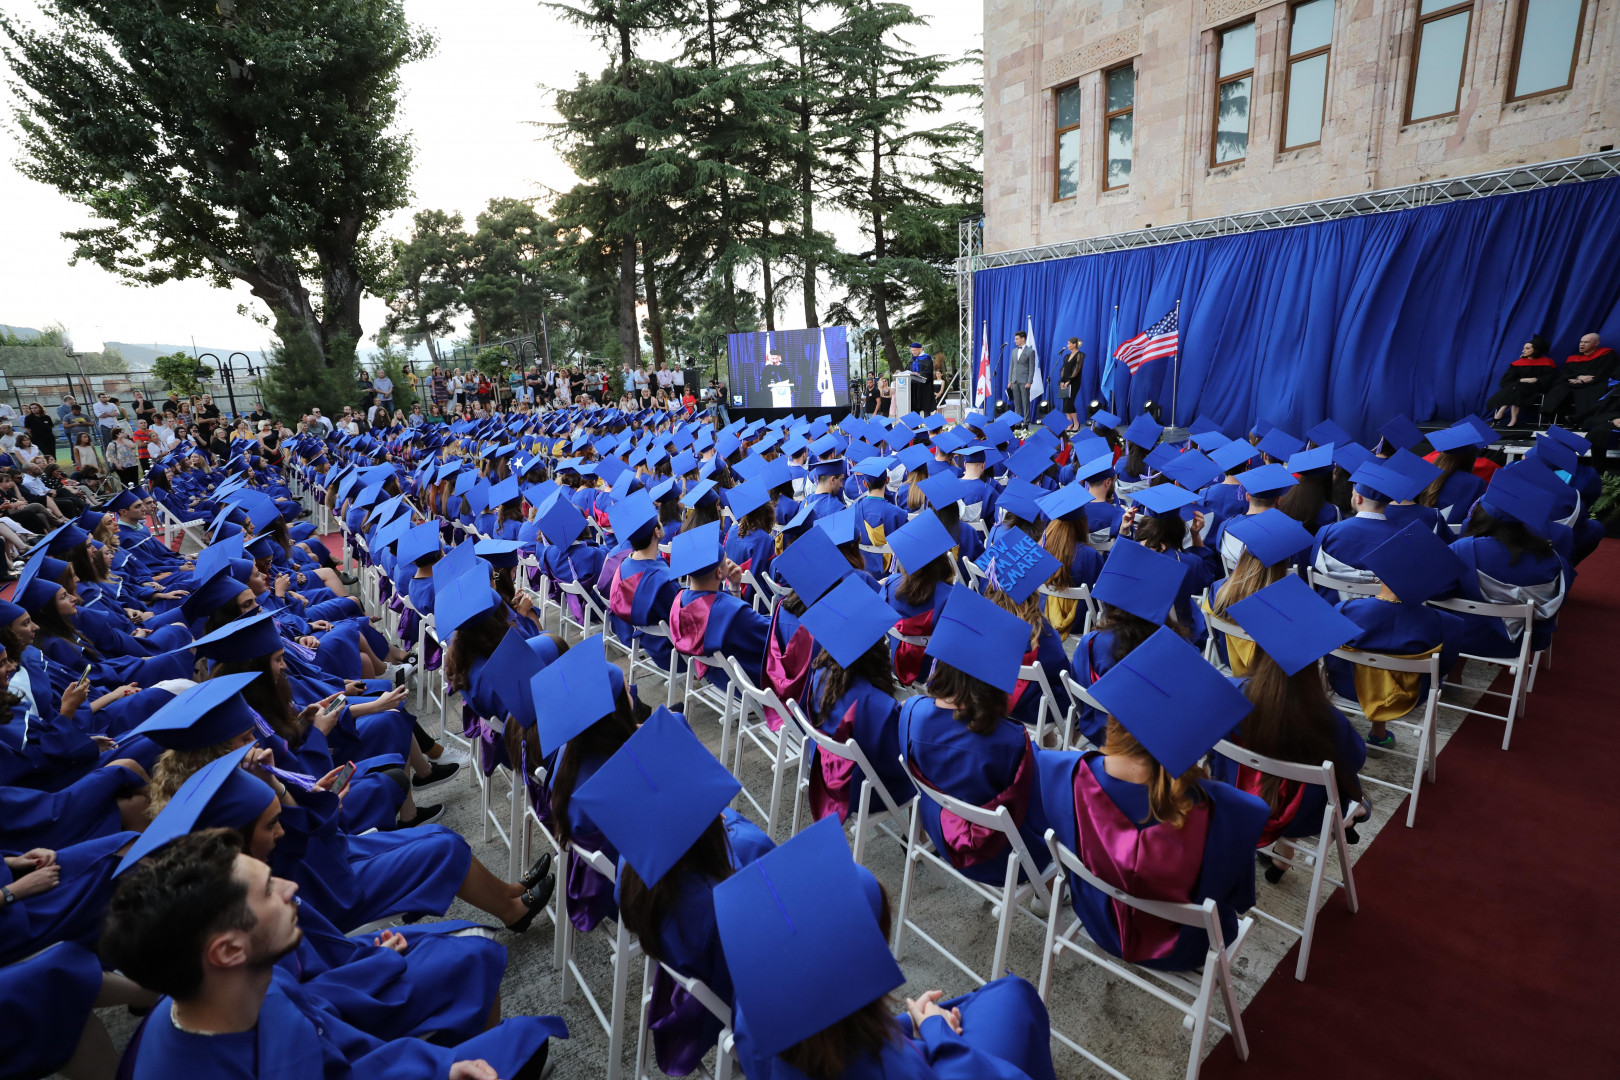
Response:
column 212, row 795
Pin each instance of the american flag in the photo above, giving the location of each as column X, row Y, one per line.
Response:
column 1156, row 341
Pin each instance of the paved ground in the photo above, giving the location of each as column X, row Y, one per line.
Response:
column 1121, row 1024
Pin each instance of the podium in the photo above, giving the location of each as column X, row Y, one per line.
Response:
column 782, row 395
column 900, row 386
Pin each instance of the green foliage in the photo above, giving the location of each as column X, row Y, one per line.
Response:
column 227, row 140
column 1608, row 503
column 496, row 363
column 54, row 336
column 181, row 372
column 300, row 376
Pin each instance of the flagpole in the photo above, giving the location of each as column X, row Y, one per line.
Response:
column 1175, row 378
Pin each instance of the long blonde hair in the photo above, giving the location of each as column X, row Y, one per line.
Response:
column 1248, row 577
column 1170, row 798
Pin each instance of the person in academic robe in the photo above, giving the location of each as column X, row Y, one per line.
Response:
column 1582, row 380
column 1455, row 491
column 1015, row 572
column 568, row 558
column 49, row 1000
column 1528, row 377
column 922, row 550
column 1262, row 486
column 1509, row 560
column 704, row 619
column 751, row 542
column 1131, row 473
column 1292, row 718
column 957, row 737
column 662, row 800
column 641, row 590
column 229, row 1010
column 1341, row 548
column 1143, row 814
column 1556, row 467
column 1156, row 522
column 805, row 932
column 1068, row 538
column 943, row 495
column 877, row 516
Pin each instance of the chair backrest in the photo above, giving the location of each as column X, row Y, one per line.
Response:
column 1079, row 693
column 1035, row 673
column 908, row 639
column 1322, row 775
column 596, row 861
column 975, row 576
column 999, row 819
column 1225, row 626
column 1202, row 915
column 1486, row 608
column 1343, row 585
column 747, row 688
column 849, row 750
column 1429, row 665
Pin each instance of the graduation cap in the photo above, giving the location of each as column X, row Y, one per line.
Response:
column 1164, row 500
column 1271, row 536
column 744, row 499
column 1279, row 445
column 920, row 541
column 417, row 542
column 562, row 522
column 1292, row 623
column 241, row 639
column 1098, row 468
column 1139, row 581
column 1105, row 419
column 1160, row 456
column 1233, row 454
column 1484, row 431
column 811, row 565
column 211, row 595
column 700, row 494
column 1556, row 455
column 578, row 688
column 656, row 795
column 466, row 598
column 915, row 457
column 1376, row 482
column 1018, row 565
column 849, row 620
column 631, row 514
column 1267, row 481
column 1171, row 699
column 1454, row 438
column 1211, row 440
column 221, row 794
column 1144, row 432
column 216, row 555
column 1575, row 442
column 831, row 467
column 201, row 716
column 504, row 492
column 1514, row 496
column 1192, row 470
column 844, row 527
column 948, row 442
column 695, row 551
column 1400, row 433
column 1415, row 564
column 875, row 467
column 1030, row 461
column 459, row 560
column 980, row 639
column 501, row 554
column 943, row 490
column 1071, row 499
column 801, row 937
column 1021, row 499
column 263, row 546
column 1304, row 461
column 121, row 501
column 1327, row 432
column 1351, row 456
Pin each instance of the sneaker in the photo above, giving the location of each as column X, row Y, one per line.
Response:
column 399, row 673
column 452, row 755
column 1385, row 743
column 441, row 773
column 424, row 815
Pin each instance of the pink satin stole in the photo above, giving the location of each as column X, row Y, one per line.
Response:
column 1289, row 795
column 689, row 625
column 787, row 668
column 1018, row 689
column 910, row 661
column 622, row 593
column 968, row 844
column 829, row 783
column 1154, row 863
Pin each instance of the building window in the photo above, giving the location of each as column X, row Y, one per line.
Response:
column 1120, row 84
column 1437, row 66
column 1544, row 54
column 1234, row 81
column 1066, row 182
column 1305, row 95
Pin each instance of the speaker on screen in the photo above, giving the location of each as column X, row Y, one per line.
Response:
column 789, row 369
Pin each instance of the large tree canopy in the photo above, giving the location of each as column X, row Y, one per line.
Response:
column 226, row 139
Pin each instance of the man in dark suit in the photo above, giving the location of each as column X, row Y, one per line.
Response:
column 922, row 387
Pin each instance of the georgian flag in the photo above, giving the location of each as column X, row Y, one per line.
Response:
column 981, row 392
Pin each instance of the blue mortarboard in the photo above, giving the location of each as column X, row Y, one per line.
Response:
column 694, row 551
column 221, row 794
column 920, row 541
column 834, row 467
column 1320, row 457
column 1029, row 461
column 1098, row 468
column 562, row 522
column 632, row 514
column 1556, row 456
column 1232, row 455
column 1163, row 499
column 948, row 442
column 683, row 463
column 417, row 543
column 875, row 466
column 811, row 565
column 1279, row 445
column 1144, row 432
column 915, row 457
column 1414, row 468
column 1160, row 456
column 943, row 490
column 700, row 493
column 1055, row 422
column 1379, row 483
column 1577, row 443
column 1018, row 565
column 211, row 595
column 121, row 501
column 1272, row 535
column 1292, row 623
column 979, row 639
column 204, row 715
column 501, row 554
column 656, row 795
column 1513, row 496
column 459, row 560
column 1415, row 564
column 1066, row 500
column 578, row 689
column 1209, row 441
column 468, row 597
column 1104, row 418
column 849, row 620
column 1168, row 696
column 1486, row 434
column 504, row 492
column 10, row 613
column 244, row 639
column 1139, row 581
column 744, row 499
column 843, row 527
column 1328, row 432
column 1351, row 456
column 63, row 539
column 802, row 941
column 1401, row 433
column 1021, row 499
column 1454, row 438
column 263, row 546
column 216, row 555
column 1267, row 481
column 1192, row 470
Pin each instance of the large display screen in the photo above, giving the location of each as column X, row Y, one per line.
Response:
column 789, row 369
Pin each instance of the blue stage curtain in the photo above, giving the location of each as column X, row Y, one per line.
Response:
column 1415, row 311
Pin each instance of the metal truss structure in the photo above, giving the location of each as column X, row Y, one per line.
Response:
column 971, row 256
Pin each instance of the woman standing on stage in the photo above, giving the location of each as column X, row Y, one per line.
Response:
column 1069, row 380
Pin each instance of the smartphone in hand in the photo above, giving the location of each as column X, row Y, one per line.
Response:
column 343, row 777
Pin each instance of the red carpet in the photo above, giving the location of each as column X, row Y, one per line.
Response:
column 1487, row 937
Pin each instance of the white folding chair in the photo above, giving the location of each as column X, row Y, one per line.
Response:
column 1523, row 666
column 784, row 746
column 589, row 611
column 760, row 599
column 497, row 821
column 623, row 948
column 975, row 577
column 1349, row 586
column 1047, row 712
column 864, row 817
column 1078, row 696
column 641, row 661
column 1005, row 899
column 529, row 821
column 1302, row 852
column 725, row 1060
column 1423, row 762
column 1194, row 999
column 700, row 689
column 172, row 525
column 921, row 641
column 1082, row 595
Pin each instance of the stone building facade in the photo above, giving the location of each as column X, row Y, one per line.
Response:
column 1103, row 116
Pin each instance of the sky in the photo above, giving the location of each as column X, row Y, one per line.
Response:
column 472, row 109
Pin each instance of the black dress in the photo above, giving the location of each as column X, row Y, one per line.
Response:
column 1069, row 377
column 42, row 432
column 1514, row 392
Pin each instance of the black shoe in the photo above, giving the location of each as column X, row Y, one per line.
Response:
column 438, row 774
column 424, row 815
column 541, row 867
column 1275, row 872
column 535, row 900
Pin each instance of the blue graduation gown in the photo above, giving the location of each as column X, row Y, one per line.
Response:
column 83, row 811
column 73, row 910
column 1458, row 495
column 719, row 622
column 877, row 512
column 872, row 718
column 46, row 999
column 1494, row 577
column 1093, row 656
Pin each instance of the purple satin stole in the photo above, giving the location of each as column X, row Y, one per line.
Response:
column 787, row 667
column 590, row 895
column 911, row 661
column 1155, row 863
column 969, row 844
column 675, row 1018
column 490, row 744
column 622, row 592
column 830, row 780
column 689, row 626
